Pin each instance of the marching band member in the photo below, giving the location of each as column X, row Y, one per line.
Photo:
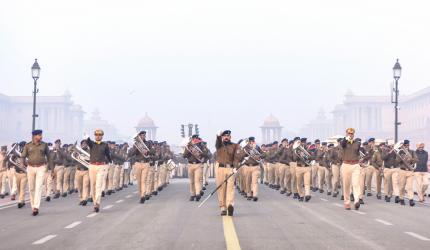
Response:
column 99, row 160
column 377, row 164
column 389, row 158
column 141, row 164
column 196, row 154
column 83, row 179
column 421, row 172
column 324, row 171
column 284, row 158
column 316, row 168
column 3, row 171
column 351, row 169
column 370, row 170
column 35, row 155
column 20, row 173
column 226, row 163
column 303, row 174
column 58, row 172
column 406, row 159
column 11, row 177
column 335, row 158
column 251, row 167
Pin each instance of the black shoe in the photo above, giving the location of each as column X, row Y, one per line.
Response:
column 192, row 198
column 270, row 186
column 321, row 191
column 402, row 202
column 1, row 196
column 266, row 183
column 112, row 191
column 387, row 199
column 147, row 197
column 90, row 199
column 357, row 205
column 300, row 199
column 369, row 194
column 277, row 187
column 296, row 196
column 223, row 213
column 109, row 192
column 328, row 193
column 96, row 209
column 342, row 198
column 288, row 193
column 249, row 198
column 202, row 193
column 48, row 198
column 21, row 204
column 160, row 189
column 361, row 201
column 103, row 193
column 80, row 203
column 64, row 195
column 397, row 199
column 335, row 195
column 84, row 203
column 71, row 191
column 230, row 210
column 378, row 196
column 142, row 200
column 282, row 192
column 35, row 211
column 411, row 203
column 155, row 193
column 57, row 195
column 198, row 197
column 203, row 188
column 307, row 198
column 255, row 199
column 125, row 186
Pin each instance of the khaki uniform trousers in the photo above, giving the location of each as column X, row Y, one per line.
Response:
column 266, row 172
column 127, row 174
column 59, row 178
column 35, row 176
column 314, row 175
column 271, row 167
column 150, row 180
column 111, row 172
column 206, row 168
column 226, row 191
column 252, row 173
column 241, row 179
column 21, row 184
column 195, row 172
column 3, row 184
column 288, row 179
column 72, row 178
column 280, row 175
column 388, row 181
column 303, row 175
column 363, row 171
column 351, row 179
column 422, row 184
column 406, row 179
column 97, row 175
column 372, row 171
column 395, row 180
column 48, row 183
column 116, row 176
column 11, row 179
column 335, row 171
column 141, row 171
column 277, row 180
column 321, row 176
column 67, row 177
column 293, row 167
column 82, row 178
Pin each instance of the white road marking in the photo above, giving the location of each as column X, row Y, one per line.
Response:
column 119, row 201
column 417, row 236
column 44, row 239
column 323, row 199
column 337, row 204
column 91, row 215
column 74, row 224
column 384, row 222
column 108, row 207
column 129, row 196
column 358, row 212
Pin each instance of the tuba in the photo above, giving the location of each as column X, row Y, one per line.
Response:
column 141, row 146
column 403, row 155
column 302, row 153
column 80, row 155
column 251, row 152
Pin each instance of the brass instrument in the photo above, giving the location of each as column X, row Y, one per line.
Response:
column 362, row 159
column 171, row 165
column 194, row 150
column 302, row 153
column 80, row 155
column 403, row 155
column 14, row 157
column 141, row 146
column 252, row 152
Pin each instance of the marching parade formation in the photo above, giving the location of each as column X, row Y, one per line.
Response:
column 344, row 167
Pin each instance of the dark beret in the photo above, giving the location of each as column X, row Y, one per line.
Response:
column 275, row 143
column 296, row 138
column 143, row 132
column 371, row 140
column 37, row 132
column 406, row 142
column 331, row 145
column 303, row 139
column 49, row 144
column 317, row 141
column 285, row 139
column 57, row 141
column 252, row 138
column 22, row 143
column 3, row 148
column 365, row 143
column 195, row 137
column 226, row 132
column 323, row 143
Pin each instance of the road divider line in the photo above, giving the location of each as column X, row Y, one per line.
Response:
column 44, row 239
column 129, row 196
column 323, row 199
column 230, row 235
column 108, row 207
column 420, row 237
column 119, row 201
column 358, row 212
column 384, row 222
column 91, row 215
column 74, row 224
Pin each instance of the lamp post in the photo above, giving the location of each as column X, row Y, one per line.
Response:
column 397, row 72
column 35, row 73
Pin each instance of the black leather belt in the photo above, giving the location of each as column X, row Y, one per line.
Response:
column 252, row 165
column 194, row 162
column 221, row 165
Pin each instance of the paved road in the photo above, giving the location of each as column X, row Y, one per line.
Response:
column 170, row 221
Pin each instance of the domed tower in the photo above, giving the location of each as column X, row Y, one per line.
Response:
column 147, row 124
column 271, row 129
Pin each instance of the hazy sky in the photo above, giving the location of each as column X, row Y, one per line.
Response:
column 222, row 64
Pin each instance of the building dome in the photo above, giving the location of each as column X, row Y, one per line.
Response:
column 271, row 121
column 146, row 122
